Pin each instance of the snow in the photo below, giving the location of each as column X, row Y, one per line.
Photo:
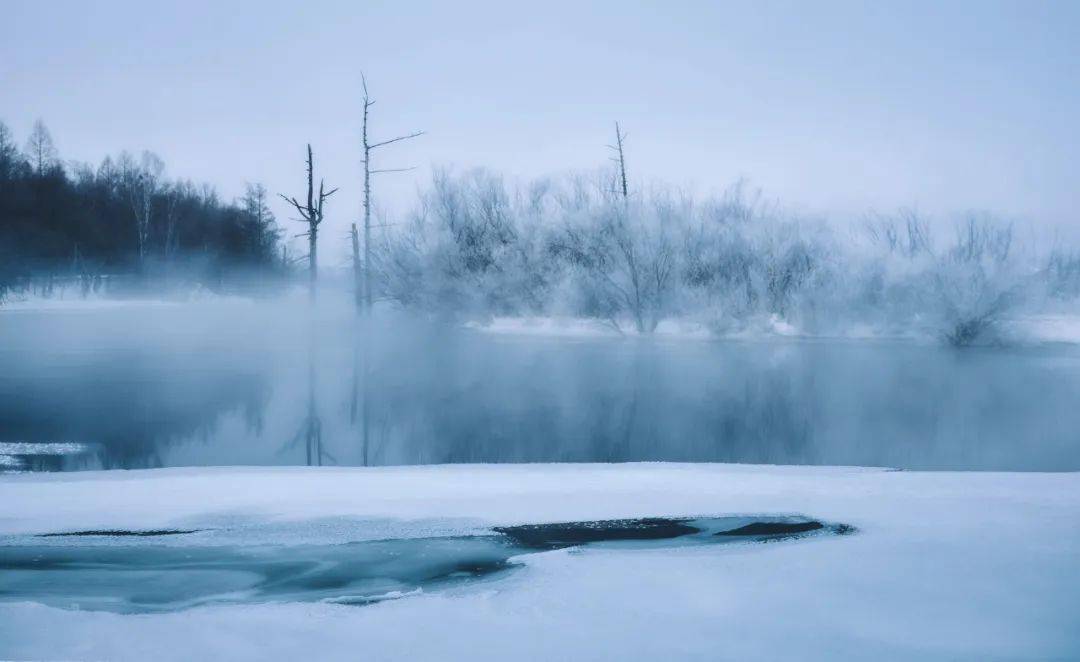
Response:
column 1061, row 327
column 545, row 326
column 73, row 301
column 38, row 448
column 1046, row 328
column 75, row 304
column 667, row 329
column 945, row 565
column 577, row 327
column 1056, row 328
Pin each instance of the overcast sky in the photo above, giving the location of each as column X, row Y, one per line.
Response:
column 829, row 107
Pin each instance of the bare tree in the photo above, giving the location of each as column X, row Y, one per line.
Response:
column 264, row 234
column 143, row 182
column 357, row 266
column 40, row 148
column 173, row 196
column 368, row 172
column 311, row 213
column 9, row 153
column 620, row 160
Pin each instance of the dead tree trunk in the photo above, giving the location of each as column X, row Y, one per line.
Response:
column 358, row 292
column 171, row 214
column 141, row 204
column 312, row 214
column 620, row 160
column 368, row 172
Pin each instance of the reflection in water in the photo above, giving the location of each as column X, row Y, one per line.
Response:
column 125, row 402
column 363, row 346
column 310, row 434
column 201, row 384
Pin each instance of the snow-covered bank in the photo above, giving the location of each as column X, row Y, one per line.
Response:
column 1019, row 330
column 15, row 303
column 76, row 304
column 1045, row 328
column 945, row 565
column 1058, row 327
column 577, row 327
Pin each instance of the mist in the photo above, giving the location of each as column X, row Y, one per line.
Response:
column 487, row 331
column 229, row 382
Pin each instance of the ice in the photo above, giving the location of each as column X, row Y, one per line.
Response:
column 131, row 572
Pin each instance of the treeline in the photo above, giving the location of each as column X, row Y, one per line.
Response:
column 122, row 218
column 584, row 246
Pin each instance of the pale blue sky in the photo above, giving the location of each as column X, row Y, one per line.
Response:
column 830, row 107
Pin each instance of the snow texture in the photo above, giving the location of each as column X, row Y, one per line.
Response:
column 945, row 565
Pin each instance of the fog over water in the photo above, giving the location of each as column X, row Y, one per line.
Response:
column 237, row 382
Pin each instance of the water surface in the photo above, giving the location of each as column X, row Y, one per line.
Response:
column 154, row 571
column 261, row 383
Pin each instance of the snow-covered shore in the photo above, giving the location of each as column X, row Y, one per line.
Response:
column 1028, row 329
column 1061, row 326
column 945, row 565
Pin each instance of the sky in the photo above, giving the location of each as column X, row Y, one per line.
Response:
column 831, row 108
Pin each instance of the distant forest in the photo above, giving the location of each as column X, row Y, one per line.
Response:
column 122, row 219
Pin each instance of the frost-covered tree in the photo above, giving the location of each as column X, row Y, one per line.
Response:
column 143, row 182
column 624, row 258
column 959, row 287
column 477, row 246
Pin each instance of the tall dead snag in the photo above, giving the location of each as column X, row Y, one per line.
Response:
column 368, row 172
column 357, row 266
column 620, row 160
column 312, row 214
column 642, row 254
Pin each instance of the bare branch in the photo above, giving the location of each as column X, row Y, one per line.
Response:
column 398, row 139
column 312, row 214
column 299, row 207
column 368, row 298
column 620, row 137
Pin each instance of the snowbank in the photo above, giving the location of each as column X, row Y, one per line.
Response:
column 1045, row 328
column 73, row 301
column 577, row 327
column 75, row 304
column 1061, row 328
column 945, row 565
column 669, row 328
